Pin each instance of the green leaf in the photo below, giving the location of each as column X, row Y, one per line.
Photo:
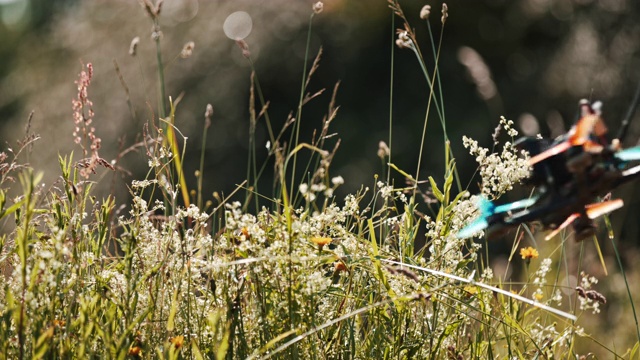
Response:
column 172, row 311
column 403, row 173
column 634, row 351
column 196, row 350
column 448, row 180
column 42, row 344
column 13, row 208
column 221, row 355
column 436, row 192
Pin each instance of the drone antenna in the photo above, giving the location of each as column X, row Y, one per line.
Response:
column 632, row 110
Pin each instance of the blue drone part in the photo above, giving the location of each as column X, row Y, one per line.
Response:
column 488, row 209
column 630, row 154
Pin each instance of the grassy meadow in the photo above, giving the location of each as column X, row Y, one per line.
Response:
column 291, row 270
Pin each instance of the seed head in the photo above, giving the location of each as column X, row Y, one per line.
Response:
column 318, row 7
column 244, row 47
column 404, row 41
column 445, row 13
column 134, row 45
column 383, row 150
column 424, row 13
column 187, row 50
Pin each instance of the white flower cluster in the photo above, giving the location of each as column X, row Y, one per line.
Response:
column 445, row 246
column 541, row 273
column 508, row 126
column 386, row 191
column 156, row 160
column 499, row 172
column 309, row 192
column 194, row 213
column 539, row 281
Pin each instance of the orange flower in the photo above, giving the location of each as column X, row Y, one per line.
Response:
column 59, row 323
column 529, row 253
column 135, row 351
column 177, row 341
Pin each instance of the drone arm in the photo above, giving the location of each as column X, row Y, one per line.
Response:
column 628, row 175
column 563, row 146
column 592, row 211
column 566, row 223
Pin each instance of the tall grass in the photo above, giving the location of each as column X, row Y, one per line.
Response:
column 309, row 276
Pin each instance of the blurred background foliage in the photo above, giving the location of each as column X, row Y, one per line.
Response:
column 529, row 60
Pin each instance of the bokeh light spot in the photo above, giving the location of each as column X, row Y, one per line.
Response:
column 529, row 124
column 238, row 25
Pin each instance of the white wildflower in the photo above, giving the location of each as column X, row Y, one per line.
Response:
column 541, row 273
column 499, row 171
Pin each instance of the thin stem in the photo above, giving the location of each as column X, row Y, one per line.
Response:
column 296, row 132
column 626, row 283
column 426, row 120
column 393, row 21
column 162, row 102
column 436, row 55
column 207, row 123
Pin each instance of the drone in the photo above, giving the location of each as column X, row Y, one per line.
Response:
column 573, row 176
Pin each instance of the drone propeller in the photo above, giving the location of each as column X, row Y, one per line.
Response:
column 488, row 209
column 630, row 172
column 473, row 227
column 598, row 209
column 579, row 135
column 562, row 147
column 630, row 154
column 593, row 211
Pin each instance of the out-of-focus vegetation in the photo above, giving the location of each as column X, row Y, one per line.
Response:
column 541, row 56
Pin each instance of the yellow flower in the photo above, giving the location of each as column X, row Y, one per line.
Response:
column 177, row 341
column 245, row 232
column 471, row 290
column 529, row 253
column 59, row 323
column 538, row 296
column 321, row 241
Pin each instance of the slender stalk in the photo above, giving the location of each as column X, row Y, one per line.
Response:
column 436, row 55
column 162, row 102
column 251, row 154
column 295, row 135
column 393, row 27
column 424, row 127
column 207, row 124
column 626, row 283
